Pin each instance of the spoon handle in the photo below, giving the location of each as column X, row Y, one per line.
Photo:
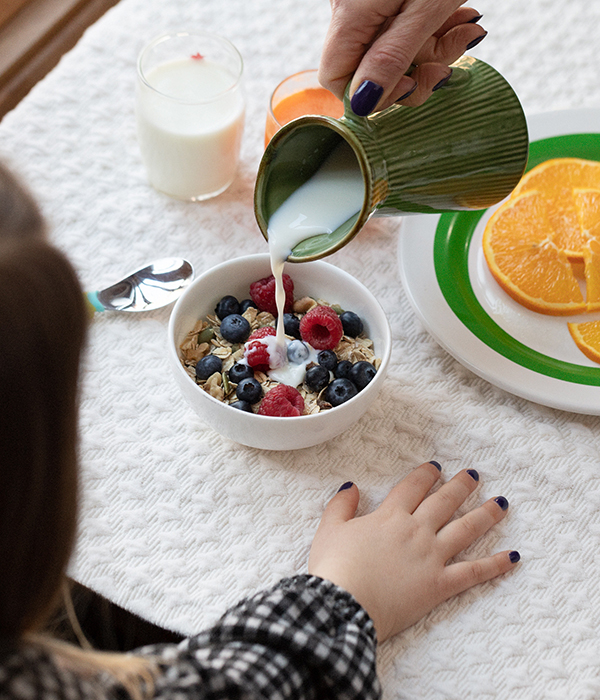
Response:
column 93, row 303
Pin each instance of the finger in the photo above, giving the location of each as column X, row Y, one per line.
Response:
column 407, row 494
column 393, row 51
column 460, row 534
column 428, row 77
column 464, row 15
column 450, row 46
column 463, row 575
column 342, row 507
column 433, row 70
column 438, row 508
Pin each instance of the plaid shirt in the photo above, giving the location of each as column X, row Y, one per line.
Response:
column 304, row 638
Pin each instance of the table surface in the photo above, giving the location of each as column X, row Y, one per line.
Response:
column 176, row 522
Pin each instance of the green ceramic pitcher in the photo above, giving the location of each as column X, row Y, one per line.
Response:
column 465, row 148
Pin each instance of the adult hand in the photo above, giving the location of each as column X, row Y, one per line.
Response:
column 375, row 42
column 394, row 560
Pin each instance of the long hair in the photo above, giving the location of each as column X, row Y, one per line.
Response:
column 42, row 331
column 43, row 321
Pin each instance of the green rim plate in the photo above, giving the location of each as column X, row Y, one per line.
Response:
column 452, row 241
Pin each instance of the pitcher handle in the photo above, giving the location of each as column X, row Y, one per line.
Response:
column 461, row 75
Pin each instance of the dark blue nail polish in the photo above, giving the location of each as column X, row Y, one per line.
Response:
column 474, row 20
column 435, row 464
column 473, row 473
column 514, row 557
column 502, row 502
column 345, row 486
column 365, row 99
column 473, row 44
column 407, row 94
column 442, row 82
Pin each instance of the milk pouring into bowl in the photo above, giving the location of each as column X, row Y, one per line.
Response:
column 323, row 203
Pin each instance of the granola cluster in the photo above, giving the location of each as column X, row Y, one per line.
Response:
column 205, row 338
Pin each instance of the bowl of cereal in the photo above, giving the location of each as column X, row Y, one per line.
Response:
column 278, row 391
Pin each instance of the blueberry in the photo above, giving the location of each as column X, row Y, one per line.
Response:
column 242, row 406
column 228, row 305
column 235, row 328
column 339, row 391
column 327, row 359
column 240, row 371
column 246, row 304
column 207, row 366
column 317, row 378
column 351, row 324
column 297, row 352
column 342, row 369
column 361, row 374
column 249, row 390
column 291, row 325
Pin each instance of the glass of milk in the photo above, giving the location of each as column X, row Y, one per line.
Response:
column 190, row 113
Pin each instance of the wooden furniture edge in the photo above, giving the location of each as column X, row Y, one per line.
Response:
column 45, row 48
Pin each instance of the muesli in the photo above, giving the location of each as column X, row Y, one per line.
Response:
column 230, row 353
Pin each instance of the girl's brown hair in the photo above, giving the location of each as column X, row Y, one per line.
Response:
column 43, row 321
column 42, row 331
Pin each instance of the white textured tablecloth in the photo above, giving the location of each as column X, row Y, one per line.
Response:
column 176, row 522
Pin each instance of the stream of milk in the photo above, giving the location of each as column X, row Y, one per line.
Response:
column 319, row 206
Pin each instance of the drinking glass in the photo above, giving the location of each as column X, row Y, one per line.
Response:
column 296, row 96
column 190, row 113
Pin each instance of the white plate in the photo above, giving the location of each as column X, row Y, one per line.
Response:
column 452, row 291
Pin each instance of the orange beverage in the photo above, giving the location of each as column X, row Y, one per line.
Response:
column 296, row 96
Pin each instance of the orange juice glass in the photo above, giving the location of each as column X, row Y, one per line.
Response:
column 296, row 96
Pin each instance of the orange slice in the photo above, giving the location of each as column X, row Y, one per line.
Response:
column 587, row 203
column 556, row 180
column 519, row 247
column 558, row 176
column 587, row 338
column 591, row 257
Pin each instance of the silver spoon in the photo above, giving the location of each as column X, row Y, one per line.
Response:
column 155, row 285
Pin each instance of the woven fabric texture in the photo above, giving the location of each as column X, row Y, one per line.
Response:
column 178, row 523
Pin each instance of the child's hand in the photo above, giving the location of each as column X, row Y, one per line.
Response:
column 394, row 560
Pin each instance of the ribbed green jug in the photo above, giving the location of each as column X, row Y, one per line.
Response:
column 466, row 148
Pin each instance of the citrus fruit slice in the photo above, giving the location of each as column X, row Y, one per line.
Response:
column 587, row 338
column 587, row 203
column 519, row 247
column 556, row 179
column 591, row 256
column 558, row 176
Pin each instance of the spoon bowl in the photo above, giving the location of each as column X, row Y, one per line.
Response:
column 152, row 287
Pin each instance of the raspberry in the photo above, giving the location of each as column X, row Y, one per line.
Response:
column 262, row 332
column 282, row 400
column 257, row 355
column 263, row 294
column 321, row 327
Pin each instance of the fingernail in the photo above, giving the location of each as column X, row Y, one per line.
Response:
column 502, row 502
column 435, row 464
column 473, row 474
column 345, row 486
column 473, row 44
column 366, row 97
column 514, row 557
column 442, row 82
column 407, row 94
column 474, row 20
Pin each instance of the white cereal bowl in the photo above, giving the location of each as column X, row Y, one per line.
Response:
column 317, row 279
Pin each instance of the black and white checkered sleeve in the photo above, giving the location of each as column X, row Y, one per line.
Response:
column 304, row 638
